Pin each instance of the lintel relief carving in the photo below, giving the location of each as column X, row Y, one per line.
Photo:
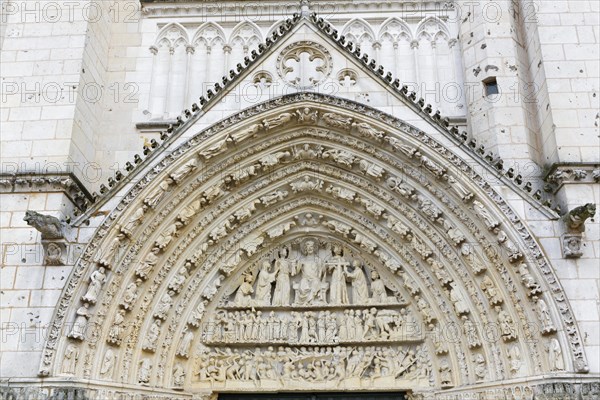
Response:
column 325, row 245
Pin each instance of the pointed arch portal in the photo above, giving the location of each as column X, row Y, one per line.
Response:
column 311, row 244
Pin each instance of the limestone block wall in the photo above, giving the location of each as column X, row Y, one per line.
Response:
column 565, row 36
column 29, row 290
column 57, row 61
column 493, row 51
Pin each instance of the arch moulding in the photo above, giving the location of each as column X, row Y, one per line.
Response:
column 311, row 242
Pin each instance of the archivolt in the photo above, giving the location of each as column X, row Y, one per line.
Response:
column 397, row 197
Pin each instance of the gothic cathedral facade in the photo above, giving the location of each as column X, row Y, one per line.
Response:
column 367, row 199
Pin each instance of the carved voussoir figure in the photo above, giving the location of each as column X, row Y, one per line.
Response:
column 480, row 368
column 397, row 144
column 109, row 255
column 528, row 280
column 339, row 227
column 341, row 193
column 464, row 194
column 280, row 230
column 491, row 292
column 178, row 374
column 240, row 175
column 185, row 345
column 507, row 326
column 337, row 121
column 460, row 304
column 274, row 159
column 471, row 258
column 151, row 337
column 543, row 312
column 274, row 197
column 340, row 157
column 433, row 167
column 281, row 119
column 210, row 291
column 306, row 116
column 368, row 131
column 186, row 215
column 116, row 329
column 80, row 325
column 445, row 373
column 145, row 267
column 216, row 149
column 220, row 232
column 164, row 305
column 108, row 363
column 134, row 220
column 399, row 186
column 166, row 236
column 555, row 358
column 372, row 208
column 179, row 279
column 71, row 357
column 470, row 331
column 371, row 169
column 244, row 134
column 427, row 207
column 144, row 371
column 184, row 171
column 245, row 213
column 425, row 309
column 485, row 215
column 397, row 226
column 156, row 195
column 514, row 254
column 364, row 242
column 409, row 283
column 306, row 184
column 97, row 279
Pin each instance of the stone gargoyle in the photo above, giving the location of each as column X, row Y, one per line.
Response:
column 49, row 226
column 575, row 219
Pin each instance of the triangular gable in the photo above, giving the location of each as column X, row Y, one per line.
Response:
column 373, row 86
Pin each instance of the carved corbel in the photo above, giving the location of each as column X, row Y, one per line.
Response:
column 575, row 226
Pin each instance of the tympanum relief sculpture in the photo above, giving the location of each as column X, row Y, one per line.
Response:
column 332, row 316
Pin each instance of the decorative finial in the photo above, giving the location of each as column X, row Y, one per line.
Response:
column 304, row 8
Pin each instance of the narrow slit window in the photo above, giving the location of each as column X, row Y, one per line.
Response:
column 491, row 87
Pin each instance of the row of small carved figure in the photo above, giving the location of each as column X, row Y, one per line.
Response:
column 317, row 364
column 311, row 327
column 427, row 110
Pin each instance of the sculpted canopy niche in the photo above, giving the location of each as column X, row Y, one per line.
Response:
column 312, row 243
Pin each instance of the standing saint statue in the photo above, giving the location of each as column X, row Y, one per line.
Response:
column 338, row 293
column 80, row 324
column 264, row 283
column 97, row 278
column 360, row 290
column 311, row 278
column 281, row 296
